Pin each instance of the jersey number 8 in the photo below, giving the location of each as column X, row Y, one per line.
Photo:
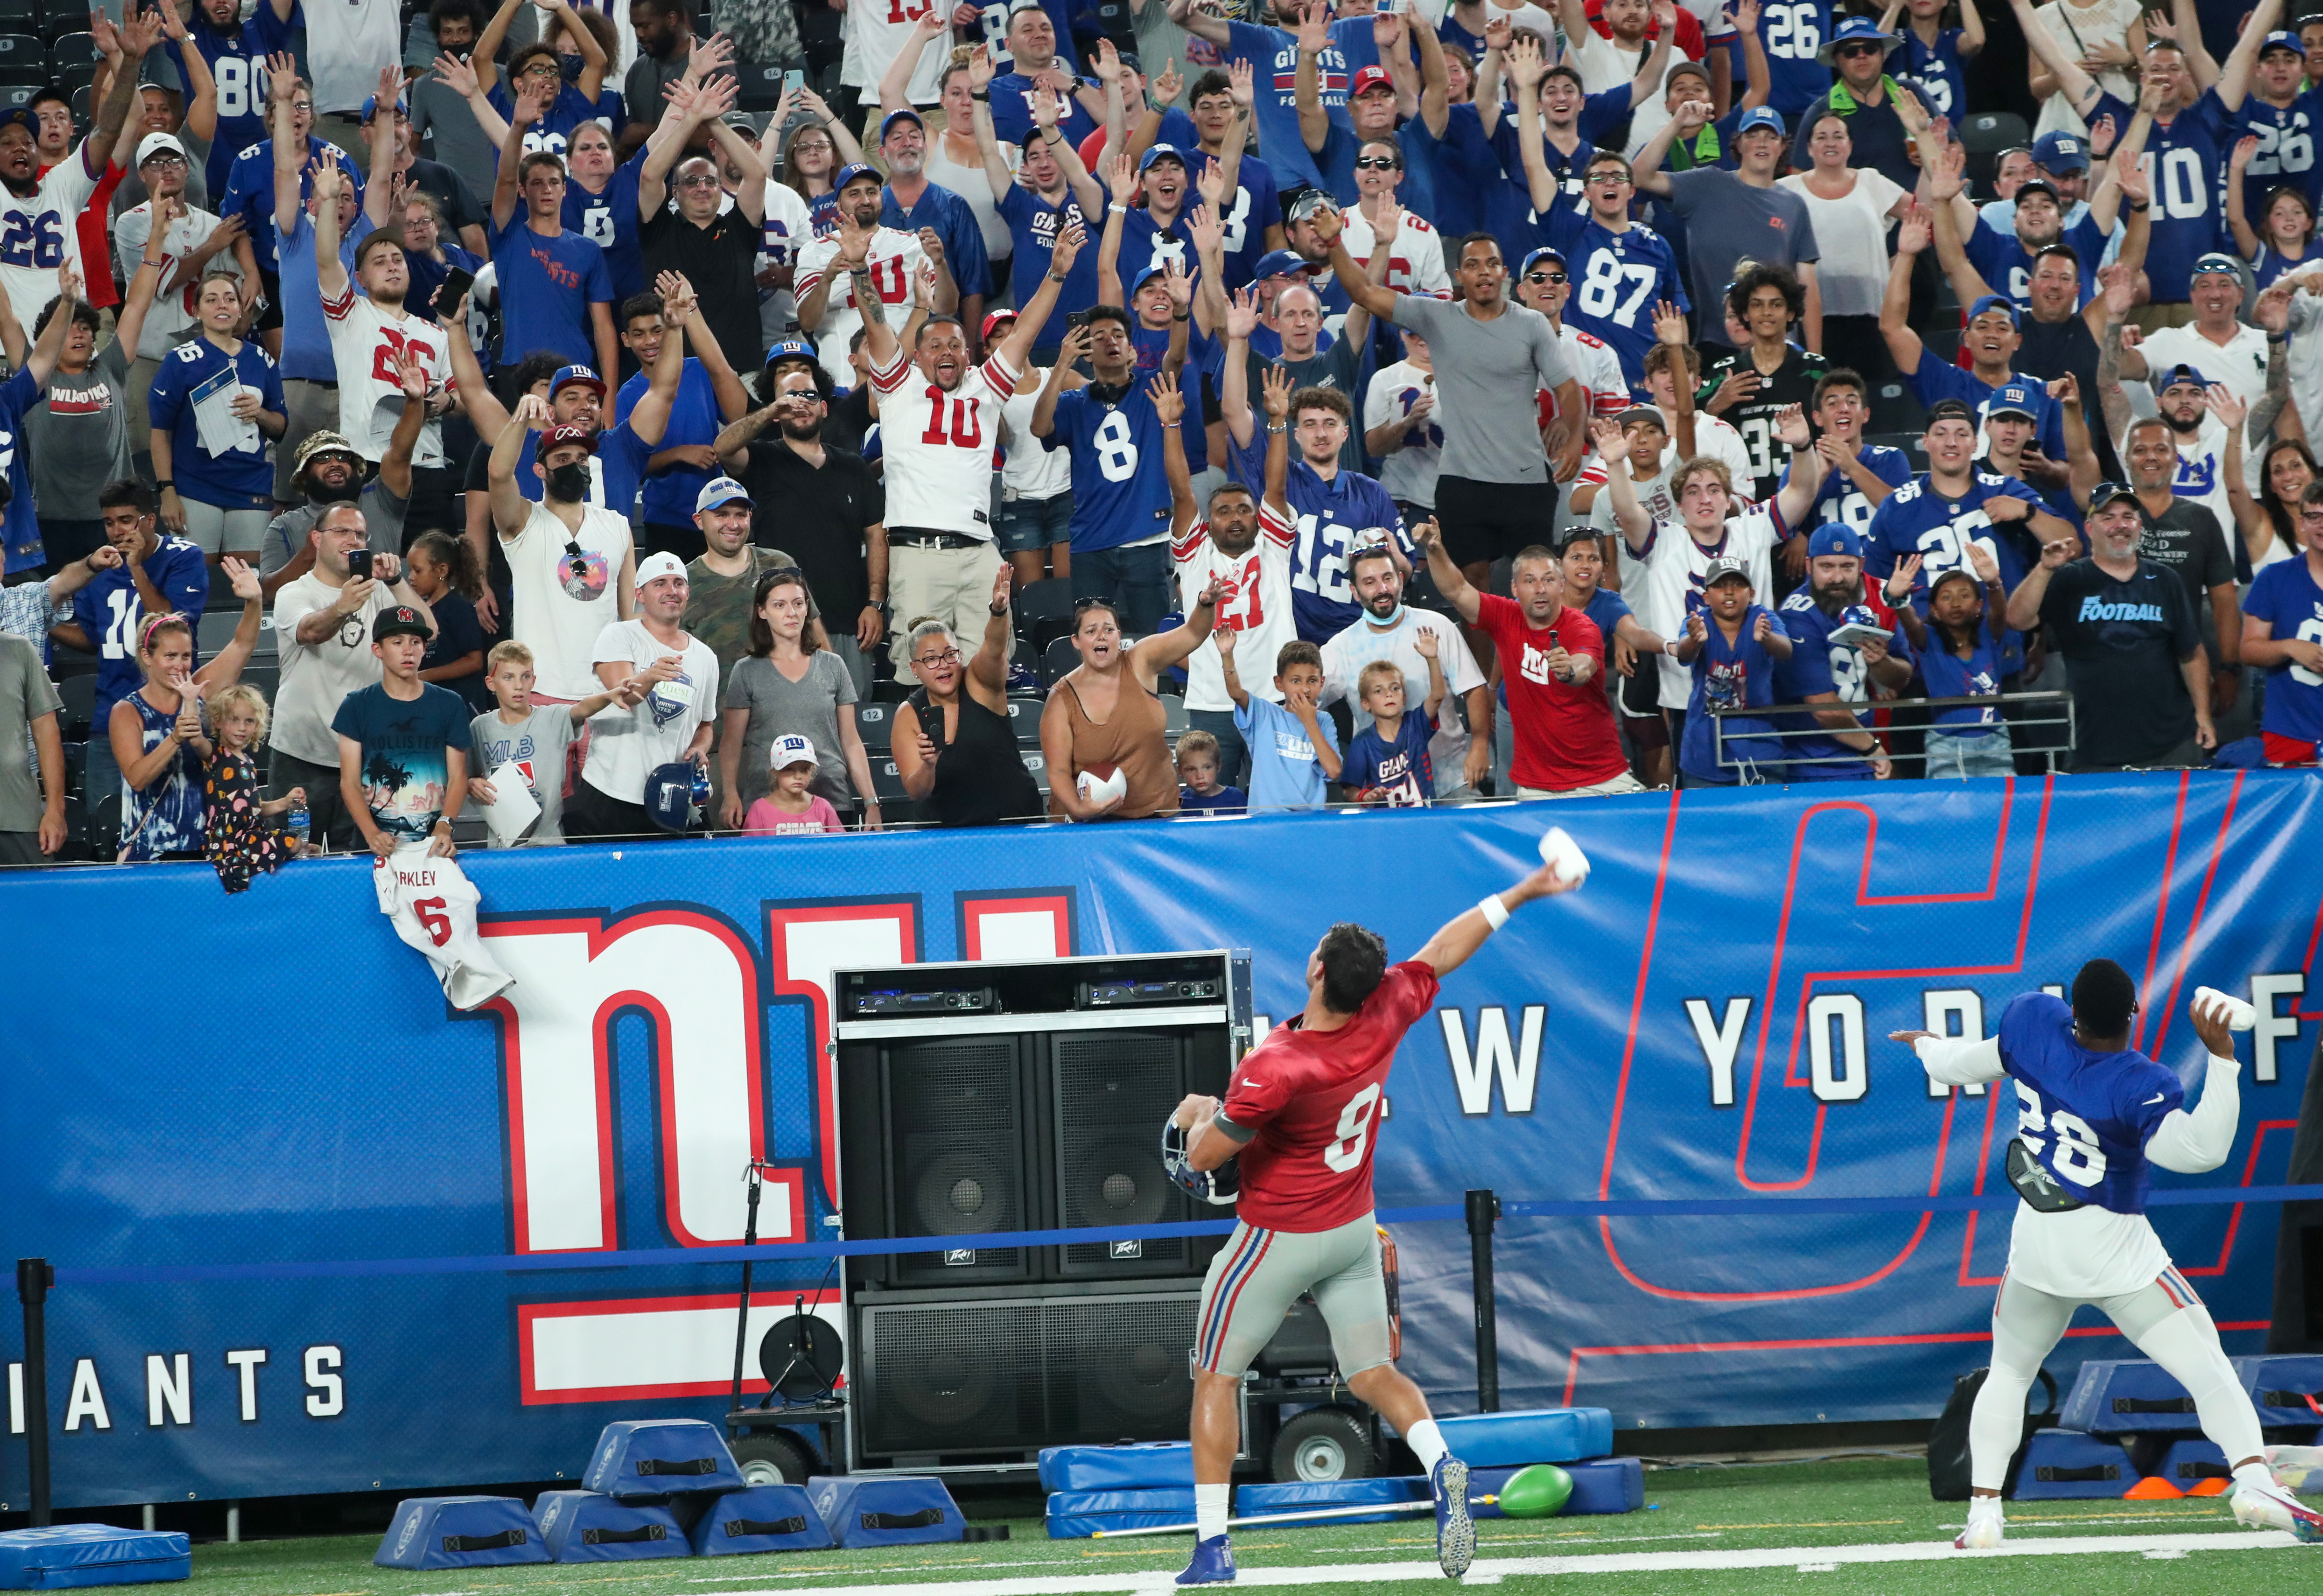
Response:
column 1346, row 1153
column 1117, row 450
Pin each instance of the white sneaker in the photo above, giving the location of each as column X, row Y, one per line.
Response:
column 2271, row 1507
column 1983, row 1533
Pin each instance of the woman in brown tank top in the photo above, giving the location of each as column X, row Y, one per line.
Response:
column 1105, row 712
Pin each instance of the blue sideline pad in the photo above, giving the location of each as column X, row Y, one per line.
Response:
column 588, row 1527
column 2191, row 1460
column 1160, row 1465
column 2282, row 1387
column 459, row 1532
column 647, row 1458
column 1602, row 1485
column 1076, row 1515
column 66, row 1555
column 2126, row 1397
column 902, row 1510
column 760, row 1519
column 2066, row 1465
column 1256, row 1500
column 1541, row 1434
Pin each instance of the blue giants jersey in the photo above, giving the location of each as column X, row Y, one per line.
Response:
column 1940, row 379
column 609, row 221
column 1936, row 69
column 1257, row 206
column 1916, row 519
column 1120, row 493
column 1793, row 32
column 1840, row 502
column 237, row 63
column 2085, row 1115
column 1348, row 512
column 1817, row 664
column 1618, row 280
column 2286, row 151
column 2185, row 164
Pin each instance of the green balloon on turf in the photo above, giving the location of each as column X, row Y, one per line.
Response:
column 1540, row 1491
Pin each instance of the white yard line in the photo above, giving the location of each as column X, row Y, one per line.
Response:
column 1491, row 1571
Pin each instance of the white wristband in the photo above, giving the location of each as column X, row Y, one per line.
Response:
column 1495, row 913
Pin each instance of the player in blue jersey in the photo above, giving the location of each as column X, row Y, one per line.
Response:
column 1620, row 269
column 600, row 202
column 1249, row 207
column 1951, row 504
column 2282, row 635
column 1273, row 57
column 236, row 54
column 1857, row 477
column 249, row 188
column 561, row 104
column 1121, row 496
column 1839, row 670
column 2093, row 1114
column 1991, row 339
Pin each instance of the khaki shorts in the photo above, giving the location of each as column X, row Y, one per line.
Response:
column 1258, row 1274
column 1623, row 782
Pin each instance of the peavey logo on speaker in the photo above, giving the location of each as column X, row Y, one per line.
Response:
column 1131, row 1249
column 959, row 1256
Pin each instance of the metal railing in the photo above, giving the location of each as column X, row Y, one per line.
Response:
column 2062, row 702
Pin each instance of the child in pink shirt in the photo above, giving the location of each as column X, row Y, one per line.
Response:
column 789, row 809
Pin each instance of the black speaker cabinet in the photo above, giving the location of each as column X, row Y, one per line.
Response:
column 999, row 1372
column 1108, row 1094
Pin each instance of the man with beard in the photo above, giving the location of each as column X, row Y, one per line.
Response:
column 1992, row 341
column 327, row 470
column 719, row 252
column 237, row 52
column 1553, row 663
column 1822, row 670
column 938, row 430
column 572, row 564
column 910, row 204
column 43, row 211
column 2183, row 535
column 828, row 306
column 823, row 503
column 2179, row 397
column 1460, row 751
column 1244, row 546
column 370, row 331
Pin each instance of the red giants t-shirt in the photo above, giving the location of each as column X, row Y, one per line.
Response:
column 1565, row 735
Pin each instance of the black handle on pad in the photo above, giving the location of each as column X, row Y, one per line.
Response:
column 484, row 1543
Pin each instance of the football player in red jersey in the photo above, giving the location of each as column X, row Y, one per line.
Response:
column 1297, row 1121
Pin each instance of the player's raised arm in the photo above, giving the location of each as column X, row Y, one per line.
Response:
column 1453, row 946
column 2194, row 1143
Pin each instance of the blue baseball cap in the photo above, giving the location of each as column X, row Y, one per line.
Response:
column 1759, row 116
column 2218, row 260
column 1834, row 537
column 901, row 114
column 1278, row 263
column 720, row 490
column 371, row 103
column 2282, row 40
column 2182, row 373
column 1157, row 268
column 24, row 116
column 1160, row 152
column 1856, row 30
column 566, row 376
column 854, row 170
column 2014, row 398
column 1548, row 251
column 1994, row 302
column 791, row 349
column 2061, row 152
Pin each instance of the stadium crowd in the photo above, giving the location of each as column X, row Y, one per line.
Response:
column 595, row 418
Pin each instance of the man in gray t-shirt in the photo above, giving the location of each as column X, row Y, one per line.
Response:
column 1493, row 495
column 328, row 468
column 1732, row 216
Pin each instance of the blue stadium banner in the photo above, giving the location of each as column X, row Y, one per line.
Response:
column 272, row 1079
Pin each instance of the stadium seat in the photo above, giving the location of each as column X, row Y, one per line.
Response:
column 21, row 16
column 760, row 84
column 14, row 94
column 218, row 628
column 1058, row 658
column 874, row 721
column 80, row 694
column 1038, row 764
column 73, row 50
column 895, row 806
column 1044, row 610
column 1174, row 716
column 20, row 52
column 1024, row 715
column 104, row 825
column 1984, row 135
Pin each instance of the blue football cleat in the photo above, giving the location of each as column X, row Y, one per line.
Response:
column 1455, row 1532
column 1213, row 1563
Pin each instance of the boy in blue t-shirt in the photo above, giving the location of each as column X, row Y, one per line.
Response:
column 1731, row 644
column 1200, row 790
column 1294, row 753
column 1387, row 761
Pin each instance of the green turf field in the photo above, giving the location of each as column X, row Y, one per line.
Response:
column 1838, row 1527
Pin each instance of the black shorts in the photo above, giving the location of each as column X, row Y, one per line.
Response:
column 1488, row 521
column 270, row 314
column 1641, row 694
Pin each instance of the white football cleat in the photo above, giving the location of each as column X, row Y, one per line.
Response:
column 1982, row 1533
column 2271, row 1507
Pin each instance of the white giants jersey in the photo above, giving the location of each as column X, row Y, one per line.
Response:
column 42, row 233
column 1415, row 255
column 365, row 341
column 1257, row 605
column 875, row 31
column 939, row 446
column 433, row 908
column 893, row 258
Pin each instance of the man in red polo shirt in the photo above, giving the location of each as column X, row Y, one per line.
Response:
column 1552, row 667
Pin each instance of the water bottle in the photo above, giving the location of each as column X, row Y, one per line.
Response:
column 299, row 822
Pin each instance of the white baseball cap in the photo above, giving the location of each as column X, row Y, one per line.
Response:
column 155, row 143
column 789, row 749
column 655, row 566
